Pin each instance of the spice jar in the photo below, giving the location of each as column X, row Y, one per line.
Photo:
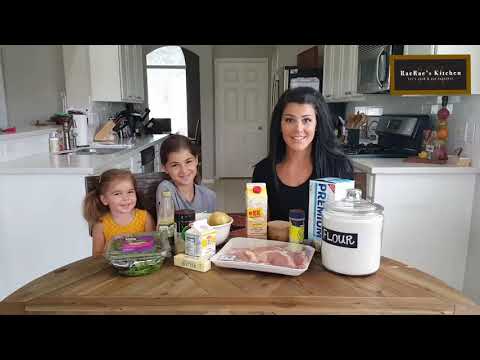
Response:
column 352, row 235
column 297, row 225
column 183, row 218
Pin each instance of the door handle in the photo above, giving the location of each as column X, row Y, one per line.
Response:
column 260, row 128
column 378, row 65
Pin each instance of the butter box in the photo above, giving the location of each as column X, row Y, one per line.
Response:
column 320, row 191
column 192, row 263
column 200, row 240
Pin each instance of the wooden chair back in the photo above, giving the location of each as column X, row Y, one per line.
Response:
column 146, row 190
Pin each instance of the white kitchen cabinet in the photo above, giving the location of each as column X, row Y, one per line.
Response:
column 350, row 73
column 328, row 73
column 116, row 73
column 427, row 216
column 340, row 70
column 473, row 50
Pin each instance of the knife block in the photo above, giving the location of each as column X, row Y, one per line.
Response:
column 106, row 133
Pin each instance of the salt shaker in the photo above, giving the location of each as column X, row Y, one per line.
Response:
column 297, row 225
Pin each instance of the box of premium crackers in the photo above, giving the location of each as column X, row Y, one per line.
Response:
column 323, row 190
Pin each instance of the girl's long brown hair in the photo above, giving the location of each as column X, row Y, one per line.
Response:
column 93, row 209
column 174, row 143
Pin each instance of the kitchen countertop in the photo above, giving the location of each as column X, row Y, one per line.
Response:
column 398, row 166
column 46, row 163
column 28, row 131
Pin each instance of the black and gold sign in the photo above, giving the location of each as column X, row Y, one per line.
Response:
column 430, row 75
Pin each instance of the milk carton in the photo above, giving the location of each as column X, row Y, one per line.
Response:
column 257, row 206
column 323, row 190
column 200, row 240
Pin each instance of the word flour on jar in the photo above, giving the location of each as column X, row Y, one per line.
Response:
column 352, row 235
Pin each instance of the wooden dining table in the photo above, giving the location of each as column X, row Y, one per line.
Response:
column 92, row 286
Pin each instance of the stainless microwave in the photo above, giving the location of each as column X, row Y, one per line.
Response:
column 374, row 69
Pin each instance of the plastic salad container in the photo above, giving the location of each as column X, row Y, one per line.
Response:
column 137, row 254
column 265, row 255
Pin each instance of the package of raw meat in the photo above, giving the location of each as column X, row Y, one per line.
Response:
column 265, row 255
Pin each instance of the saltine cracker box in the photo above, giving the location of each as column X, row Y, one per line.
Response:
column 323, row 190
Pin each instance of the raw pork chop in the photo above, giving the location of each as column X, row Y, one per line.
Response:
column 271, row 255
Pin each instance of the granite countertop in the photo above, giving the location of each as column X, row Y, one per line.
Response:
column 46, row 163
column 398, row 166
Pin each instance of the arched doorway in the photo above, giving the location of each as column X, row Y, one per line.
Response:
column 166, row 86
column 173, row 86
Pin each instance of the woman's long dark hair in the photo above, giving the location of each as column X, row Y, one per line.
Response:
column 328, row 158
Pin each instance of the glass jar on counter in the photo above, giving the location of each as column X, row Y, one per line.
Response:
column 352, row 231
column 54, row 142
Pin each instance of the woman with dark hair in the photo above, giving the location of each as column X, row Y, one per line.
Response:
column 179, row 158
column 303, row 146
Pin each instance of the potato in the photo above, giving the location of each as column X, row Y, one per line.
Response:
column 218, row 218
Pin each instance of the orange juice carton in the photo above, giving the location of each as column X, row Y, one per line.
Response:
column 200, row 240
column 257, row 206
column 321, row 191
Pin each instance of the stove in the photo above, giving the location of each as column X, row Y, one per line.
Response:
column 379, row 151
column 399, row 136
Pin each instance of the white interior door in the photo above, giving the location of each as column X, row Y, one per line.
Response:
column 241, row 115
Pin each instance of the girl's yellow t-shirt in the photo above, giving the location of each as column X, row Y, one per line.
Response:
column 111, row 228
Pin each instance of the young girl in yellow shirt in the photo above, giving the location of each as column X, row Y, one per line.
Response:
column 111, row 209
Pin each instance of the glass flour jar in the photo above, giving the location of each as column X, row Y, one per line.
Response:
column 352, row 235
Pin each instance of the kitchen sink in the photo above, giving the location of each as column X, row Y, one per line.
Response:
column 97, row 151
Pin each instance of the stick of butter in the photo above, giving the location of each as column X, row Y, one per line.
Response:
column 193, row 263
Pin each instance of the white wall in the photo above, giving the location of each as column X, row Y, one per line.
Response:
column 34, row 80
column 463, row 118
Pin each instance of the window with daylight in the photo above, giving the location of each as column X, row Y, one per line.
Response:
column 167, row 86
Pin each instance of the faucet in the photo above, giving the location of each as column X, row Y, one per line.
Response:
column 68, row 136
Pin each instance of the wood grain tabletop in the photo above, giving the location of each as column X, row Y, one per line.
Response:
column 91, row 286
